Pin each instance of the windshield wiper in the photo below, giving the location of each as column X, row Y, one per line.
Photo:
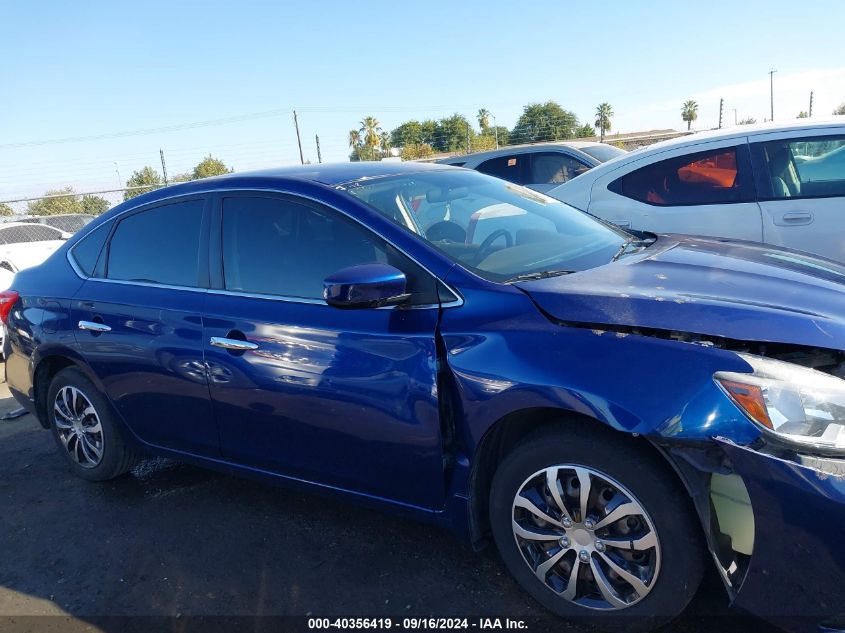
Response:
column 624, row 248
column 543, row 274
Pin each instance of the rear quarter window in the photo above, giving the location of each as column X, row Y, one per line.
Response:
column 86, row 252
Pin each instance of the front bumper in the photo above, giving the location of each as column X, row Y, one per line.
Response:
column 796, row 577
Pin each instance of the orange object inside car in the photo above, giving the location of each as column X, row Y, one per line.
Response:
column 718, row 170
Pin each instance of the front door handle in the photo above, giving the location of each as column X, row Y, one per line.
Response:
column 92, row 326
column 232, row 343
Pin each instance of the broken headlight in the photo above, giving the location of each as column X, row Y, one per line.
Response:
column 797, row 404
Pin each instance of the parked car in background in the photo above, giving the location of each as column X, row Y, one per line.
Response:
column 616, row 411
column 67, row 222
column 23, row 245
column 540, row 166
column 779, row 184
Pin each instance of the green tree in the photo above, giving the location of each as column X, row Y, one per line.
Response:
column 409, row 133
column 56, row 202
column 689, row 112
column 451, row 134
column 355, row 144
column 484, row 119
column 498, row 131
column 803, row 115
column 585, row 131
column 186, row 177
column 604, row 112
column 839, row 110
column 209, row 167
column 428, row 130
column 544, row 122
column 146, row 178
column 370, row 131
column 385, row 142
column 94, row 205
column 747, row 121
column 6, row 210
column 413, row 151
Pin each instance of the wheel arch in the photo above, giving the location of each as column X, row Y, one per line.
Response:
column 46, row 366
column 507, row 432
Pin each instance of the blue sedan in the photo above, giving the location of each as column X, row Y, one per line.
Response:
column 616, row 410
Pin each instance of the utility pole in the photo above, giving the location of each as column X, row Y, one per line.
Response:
column 468, row 148
column 117, row 169
column 495, row 129
column 163, row 166
column 298, row 140
column 810, row 113
column 319, row 156
column 734, row 109
column 721, row 106
column 772, row 94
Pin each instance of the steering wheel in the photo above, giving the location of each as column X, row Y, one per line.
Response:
column 481, row 253
column 446, row 230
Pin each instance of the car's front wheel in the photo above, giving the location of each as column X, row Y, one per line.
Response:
column 84, row 428
column 593, row 527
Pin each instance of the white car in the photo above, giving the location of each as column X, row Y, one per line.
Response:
column 23, row 245
column 779, row 184
column 539, row 166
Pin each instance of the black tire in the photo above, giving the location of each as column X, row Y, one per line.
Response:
column 681, row 551
column 116, row 456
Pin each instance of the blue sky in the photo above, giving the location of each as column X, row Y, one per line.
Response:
column 81, row 69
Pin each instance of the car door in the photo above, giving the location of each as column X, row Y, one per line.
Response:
column 801, row 186
column 344, row 398
column 705, row 189
column 139, row 318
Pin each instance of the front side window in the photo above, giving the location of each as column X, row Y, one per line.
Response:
column 513, row 168
column 554, row 168
column 160, row 245
column 805, row 168
column 712, row 177
column 495, row 228
column 282, row 247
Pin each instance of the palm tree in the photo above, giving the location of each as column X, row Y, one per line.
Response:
column 384, row 139
column 603, row 114
column 355, row 142
column 484, row 118
column 370, row 129
column 689, row 112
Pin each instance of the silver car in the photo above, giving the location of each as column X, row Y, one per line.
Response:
column 540, row 166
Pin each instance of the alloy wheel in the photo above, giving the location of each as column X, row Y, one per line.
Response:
column 78, row 426
column 586, row 537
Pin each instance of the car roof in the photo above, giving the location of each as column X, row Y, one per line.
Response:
column 740, row 131
column 511, row 149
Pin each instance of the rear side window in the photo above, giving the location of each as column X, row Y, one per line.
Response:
column 86, row 252
column 713, row 177
column 276, row 246
column 512, row 168
column 554, row 168
column 805, row 167
column 159, row 245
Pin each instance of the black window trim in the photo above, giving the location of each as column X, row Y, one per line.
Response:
column 215, row 252
column 762, row 180
column 744, row 165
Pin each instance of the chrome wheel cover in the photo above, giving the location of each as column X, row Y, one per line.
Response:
column 78, row 426
column 586, row 537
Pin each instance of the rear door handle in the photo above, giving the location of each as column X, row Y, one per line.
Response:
column 797, row 217
column 232, row 343
column 92, row 326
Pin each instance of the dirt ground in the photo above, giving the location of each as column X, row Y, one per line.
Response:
column 176, row 548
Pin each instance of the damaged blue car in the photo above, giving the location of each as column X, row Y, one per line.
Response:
column 616, row 411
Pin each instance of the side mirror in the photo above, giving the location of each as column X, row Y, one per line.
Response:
column 365, row 286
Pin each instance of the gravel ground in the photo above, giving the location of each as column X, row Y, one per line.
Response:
column 175, row 548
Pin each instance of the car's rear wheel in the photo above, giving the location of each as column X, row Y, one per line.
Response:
column 593, row 527
column 84, row 428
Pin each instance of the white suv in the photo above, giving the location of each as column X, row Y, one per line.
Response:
column 780, row 184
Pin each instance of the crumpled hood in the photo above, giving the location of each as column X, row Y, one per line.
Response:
column 723, row 288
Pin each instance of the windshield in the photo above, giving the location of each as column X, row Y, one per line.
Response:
column 602, row 153
column 495, row 228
